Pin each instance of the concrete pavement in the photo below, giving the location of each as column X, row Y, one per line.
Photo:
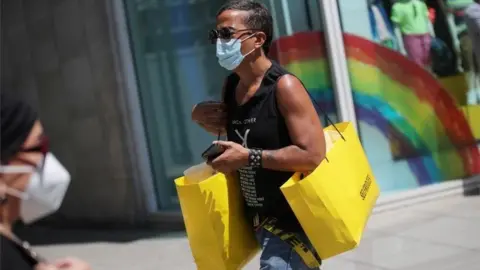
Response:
column 441, row 235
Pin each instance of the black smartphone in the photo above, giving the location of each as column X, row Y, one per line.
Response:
column 212, row 152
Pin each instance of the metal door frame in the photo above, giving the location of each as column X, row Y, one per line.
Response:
column 338, row 61
column 128, row 93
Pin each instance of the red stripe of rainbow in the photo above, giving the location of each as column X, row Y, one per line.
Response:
column 405, row 102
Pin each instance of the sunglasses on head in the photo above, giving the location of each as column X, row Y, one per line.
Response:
column 226, row 33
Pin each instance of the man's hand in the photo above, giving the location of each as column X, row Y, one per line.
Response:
column 234, row 157
column 65, row 264
column 211, row 115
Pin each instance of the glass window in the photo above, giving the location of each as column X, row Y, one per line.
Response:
column 410, row 66
column 177, row 68
column 301, row 48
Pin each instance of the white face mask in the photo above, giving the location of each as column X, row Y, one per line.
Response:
column 45, row 191
column 229, row 52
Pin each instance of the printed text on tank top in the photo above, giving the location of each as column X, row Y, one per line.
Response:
column 247, row 175
column 242, row 128
column 256, row 123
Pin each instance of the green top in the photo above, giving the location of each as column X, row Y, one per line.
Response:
column 403, row 15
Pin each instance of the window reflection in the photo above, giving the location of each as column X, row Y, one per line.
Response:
column 411, row 71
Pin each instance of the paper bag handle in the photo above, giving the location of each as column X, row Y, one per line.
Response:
column 320, row 108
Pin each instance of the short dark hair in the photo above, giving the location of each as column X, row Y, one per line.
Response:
column 17, row 119
column 259, row 17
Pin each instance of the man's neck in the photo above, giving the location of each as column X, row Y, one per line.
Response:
column 254, row 71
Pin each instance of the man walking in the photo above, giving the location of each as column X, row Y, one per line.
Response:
column 272, row 127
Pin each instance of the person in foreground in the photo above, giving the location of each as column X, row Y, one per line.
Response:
column 32, row 185
column 272, row 127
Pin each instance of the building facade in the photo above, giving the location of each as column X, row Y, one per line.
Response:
column 115, row 82
column 60, row 55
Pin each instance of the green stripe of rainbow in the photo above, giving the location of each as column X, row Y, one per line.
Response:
column 390, row 86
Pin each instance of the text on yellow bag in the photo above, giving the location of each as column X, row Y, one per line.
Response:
column 334, row 202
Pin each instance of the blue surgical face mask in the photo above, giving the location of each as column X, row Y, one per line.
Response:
column 229, row 53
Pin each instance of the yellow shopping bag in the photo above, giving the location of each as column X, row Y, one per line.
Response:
column 219, row 236
column 334, row 202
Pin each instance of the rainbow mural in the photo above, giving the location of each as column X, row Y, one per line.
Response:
column 412, row 110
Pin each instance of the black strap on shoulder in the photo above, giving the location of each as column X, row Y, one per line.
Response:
column 328, row 120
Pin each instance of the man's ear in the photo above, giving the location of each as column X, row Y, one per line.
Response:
column 260, row 39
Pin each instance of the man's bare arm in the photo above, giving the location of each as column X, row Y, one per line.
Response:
column 304, row 127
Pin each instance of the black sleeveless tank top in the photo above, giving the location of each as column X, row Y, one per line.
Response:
column 259, row 124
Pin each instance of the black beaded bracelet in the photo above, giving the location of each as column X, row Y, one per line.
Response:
column 255, row 158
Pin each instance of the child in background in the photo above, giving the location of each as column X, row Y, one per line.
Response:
column 412, row 19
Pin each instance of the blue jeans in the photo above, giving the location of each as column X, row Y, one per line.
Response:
column 279, row 255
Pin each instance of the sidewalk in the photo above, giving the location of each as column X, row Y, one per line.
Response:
column 439, row 235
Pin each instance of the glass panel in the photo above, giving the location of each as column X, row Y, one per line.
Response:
column 304, row 52
column 410, row 68
column 176, row 68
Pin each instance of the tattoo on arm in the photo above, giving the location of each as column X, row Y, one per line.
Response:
column 290, row 158
column 268, row 155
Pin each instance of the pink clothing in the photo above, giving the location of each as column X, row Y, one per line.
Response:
column 418, row 48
